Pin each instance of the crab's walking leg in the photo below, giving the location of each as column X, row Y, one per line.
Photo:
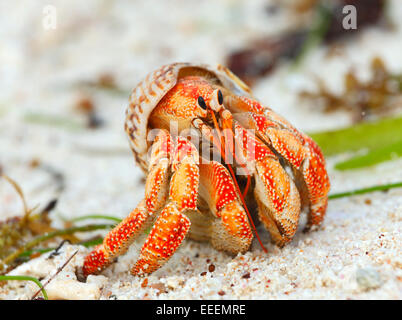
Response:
column 299, row 150
column 231, row 231
column 119, row 239
column 172, row 224
column 276, row 194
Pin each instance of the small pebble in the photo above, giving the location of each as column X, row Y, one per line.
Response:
column 368, row 278
column 158, row 286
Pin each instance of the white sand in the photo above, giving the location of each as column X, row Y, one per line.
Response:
column 355, row 255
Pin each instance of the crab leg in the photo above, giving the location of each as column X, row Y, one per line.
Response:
column 119, row 239
column 231, row 231
column 277, row 196
column 172, row 224
column 299, row 150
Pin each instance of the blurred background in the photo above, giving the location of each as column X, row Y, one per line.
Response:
column 67, row 69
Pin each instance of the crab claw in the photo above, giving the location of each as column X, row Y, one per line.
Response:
column 276, row 194
column 298, row 149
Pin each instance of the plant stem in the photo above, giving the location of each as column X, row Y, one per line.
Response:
column 26, row 278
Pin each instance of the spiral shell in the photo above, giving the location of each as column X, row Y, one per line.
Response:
column 147, row 94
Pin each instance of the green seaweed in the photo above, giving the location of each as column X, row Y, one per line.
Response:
column 369, row 135
column 384, row 187
column 386, row 153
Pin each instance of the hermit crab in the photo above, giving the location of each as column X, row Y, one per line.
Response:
column 212, row 155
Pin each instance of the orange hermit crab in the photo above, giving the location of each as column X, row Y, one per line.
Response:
column 197, row 112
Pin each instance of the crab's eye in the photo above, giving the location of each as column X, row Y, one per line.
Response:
column 201, row 103
column 220, row 97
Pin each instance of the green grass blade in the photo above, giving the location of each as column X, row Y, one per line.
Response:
column 384, row 187
column 53, row 120
column 26, row 278
column 27, row 254
column 370, row 135
column 316, row 33
column 33, row 243
column 89, row 243
column 386, row 153
column 95, row 216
